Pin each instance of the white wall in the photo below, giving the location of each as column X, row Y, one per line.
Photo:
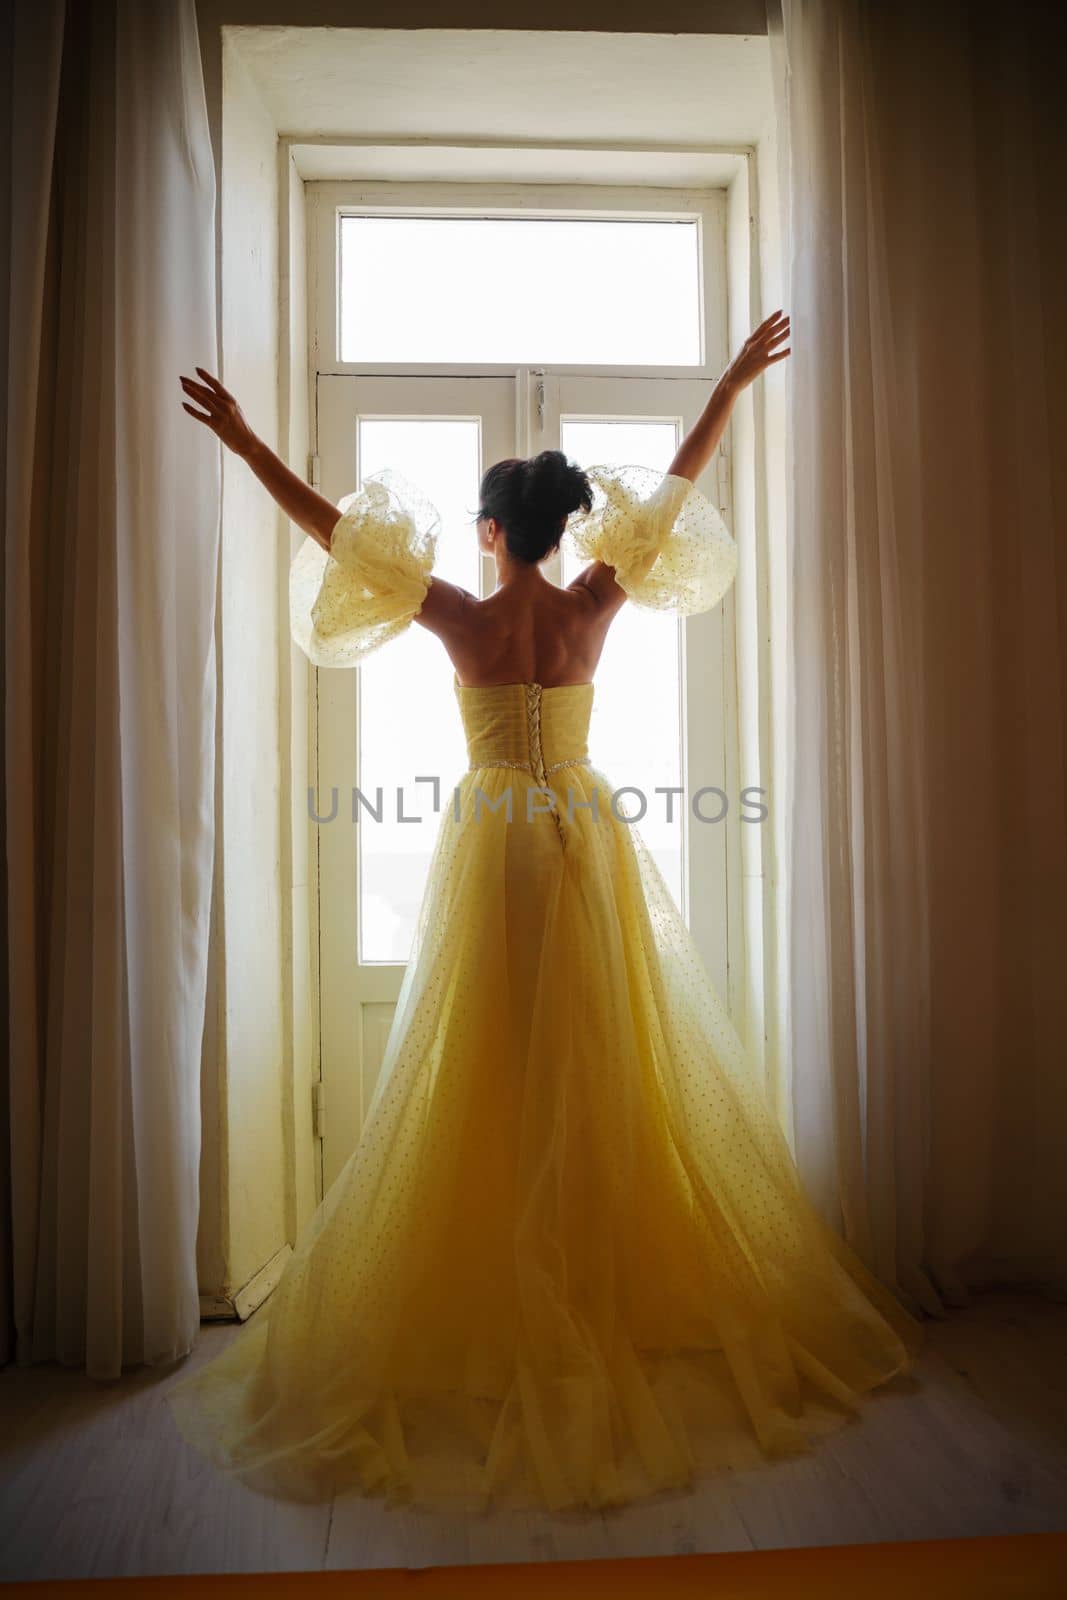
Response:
column 757, row 437
column 746, row 999
column 301, row 915
column 773, row 709
column 251, row 1040
column 258, row 1170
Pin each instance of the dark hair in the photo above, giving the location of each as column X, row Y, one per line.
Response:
column 532, row 499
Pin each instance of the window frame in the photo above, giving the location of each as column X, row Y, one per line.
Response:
column 327, row 200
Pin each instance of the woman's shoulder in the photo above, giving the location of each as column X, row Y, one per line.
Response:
column 447, row 608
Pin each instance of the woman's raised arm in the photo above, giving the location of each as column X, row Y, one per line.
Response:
column 759, row 351
column 304, row 505
column 702, row 565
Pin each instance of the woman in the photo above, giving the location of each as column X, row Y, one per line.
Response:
column 570, row 1261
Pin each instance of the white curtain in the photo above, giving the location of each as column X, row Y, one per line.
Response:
column 925, row 158
column 111, row 501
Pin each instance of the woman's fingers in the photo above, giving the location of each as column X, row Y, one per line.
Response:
column 224, row 394
column 201, row 392
column 767, row 358
column 767, row 322
column 775, row 331
column 761, row 350
column 767, row 335
column 219, row 411
column 205, row 397
column 774, row 336
column 765, row 349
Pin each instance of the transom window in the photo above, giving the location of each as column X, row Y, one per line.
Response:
column 609, row 292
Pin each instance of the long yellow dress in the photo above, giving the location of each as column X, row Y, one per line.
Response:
column 570, row 1262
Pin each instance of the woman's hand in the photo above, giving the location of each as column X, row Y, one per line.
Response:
column 223, row 415
column 758, row 352
column 301, row 503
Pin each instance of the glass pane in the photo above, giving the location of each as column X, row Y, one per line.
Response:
column 463, row 289
column 636, row 732
column 409, row 723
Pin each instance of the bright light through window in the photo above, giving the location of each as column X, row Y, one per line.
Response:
column 506, row 289
column 409, row 725
column 636, row 733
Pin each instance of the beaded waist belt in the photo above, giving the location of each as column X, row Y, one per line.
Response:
column 529, row 766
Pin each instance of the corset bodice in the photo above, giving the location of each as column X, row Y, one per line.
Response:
column 526, row 725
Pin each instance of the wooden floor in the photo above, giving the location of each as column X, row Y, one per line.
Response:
column 96, row 1481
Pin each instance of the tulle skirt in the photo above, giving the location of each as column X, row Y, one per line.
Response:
column 570, row 1262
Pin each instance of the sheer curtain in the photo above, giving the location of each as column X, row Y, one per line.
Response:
column 110, row 544
column 925, row 149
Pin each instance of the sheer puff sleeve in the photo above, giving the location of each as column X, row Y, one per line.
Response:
column 669, row 546
column 371, row 584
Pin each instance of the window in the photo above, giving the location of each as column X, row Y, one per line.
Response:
column 404, row 687
column 507, row 289
column 594, row 336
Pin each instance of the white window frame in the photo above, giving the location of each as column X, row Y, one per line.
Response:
column 327, row 199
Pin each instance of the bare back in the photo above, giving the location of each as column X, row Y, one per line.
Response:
column 529, row 631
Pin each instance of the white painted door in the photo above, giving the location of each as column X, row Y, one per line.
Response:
column 389, row 723
column 664, row 718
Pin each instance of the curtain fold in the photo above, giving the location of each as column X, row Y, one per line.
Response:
column 110, row 558
column 928, row 609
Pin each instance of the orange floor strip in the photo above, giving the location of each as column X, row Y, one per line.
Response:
column 1028, row 1566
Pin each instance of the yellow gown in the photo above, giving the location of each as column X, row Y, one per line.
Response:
column 570, row 1262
